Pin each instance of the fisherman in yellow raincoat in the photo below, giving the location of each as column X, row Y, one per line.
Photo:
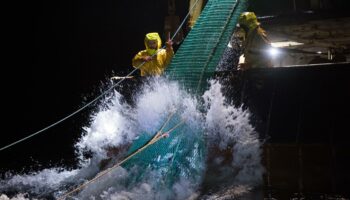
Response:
column 255, row 43
column 147, row 61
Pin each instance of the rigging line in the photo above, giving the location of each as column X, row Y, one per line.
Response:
column 70, row 115
column 164, row 124
column 183, row 21
column 94, row 100
column 159, row 135
column 154, row 140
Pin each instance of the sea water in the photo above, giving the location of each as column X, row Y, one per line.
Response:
column 116, row 123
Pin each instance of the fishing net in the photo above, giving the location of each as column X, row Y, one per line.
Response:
column 199, row 54
column 182, row 154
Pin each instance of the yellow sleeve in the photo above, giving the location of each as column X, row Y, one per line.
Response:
column 137, row 60
column 168, row 56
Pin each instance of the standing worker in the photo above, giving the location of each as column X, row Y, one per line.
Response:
column 153, row 60
column 255, row 43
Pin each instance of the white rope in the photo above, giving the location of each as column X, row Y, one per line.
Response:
column 158, row 136
column 94, row 100
column 183, row 21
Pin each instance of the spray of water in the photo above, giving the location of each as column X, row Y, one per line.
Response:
column 116, row 124
column 233, row 143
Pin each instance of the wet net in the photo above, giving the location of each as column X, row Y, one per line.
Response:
column 182, row 154
column 199, row 54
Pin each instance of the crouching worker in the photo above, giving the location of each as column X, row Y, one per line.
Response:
column 153, row 60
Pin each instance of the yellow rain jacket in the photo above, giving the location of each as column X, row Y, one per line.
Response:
column 256, row 43
column 159, row 62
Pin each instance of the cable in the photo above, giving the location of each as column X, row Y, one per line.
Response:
column 158, row 136
column 101, row 95
column 72, row 114
column 183, row 21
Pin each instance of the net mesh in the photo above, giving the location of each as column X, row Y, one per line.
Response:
column 179, row 155
column 182, row 154
column 199, row 54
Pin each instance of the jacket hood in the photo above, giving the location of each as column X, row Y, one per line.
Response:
column 248, row 20
column 152, row 36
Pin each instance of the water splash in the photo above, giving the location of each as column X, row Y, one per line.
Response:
column 116, row 124
column 19, row 196
column 236, row 150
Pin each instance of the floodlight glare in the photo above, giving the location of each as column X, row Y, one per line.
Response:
column 274, row 52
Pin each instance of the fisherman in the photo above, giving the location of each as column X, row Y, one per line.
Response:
column 153, row 60
column 255, row 43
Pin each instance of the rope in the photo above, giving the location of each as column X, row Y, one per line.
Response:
column 159, row 135
column 72, row 114
column 100, row 96
column 183, row 21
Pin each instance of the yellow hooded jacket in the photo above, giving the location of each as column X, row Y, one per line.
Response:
column 159, row 62
column 256, row 42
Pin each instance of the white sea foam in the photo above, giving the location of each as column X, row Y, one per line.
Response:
column 229, row 127
column 117, row 123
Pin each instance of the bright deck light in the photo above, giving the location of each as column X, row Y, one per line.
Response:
column 273, row 52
